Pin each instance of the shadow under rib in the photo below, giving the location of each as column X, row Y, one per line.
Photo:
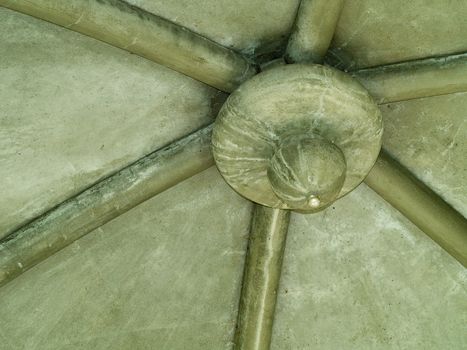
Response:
column 103, row 202
column 132, row 29
column 415, row 79
column 442, row 223
column 313, row 31
column 263, row 267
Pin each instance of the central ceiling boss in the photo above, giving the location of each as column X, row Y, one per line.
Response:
column 297, row 137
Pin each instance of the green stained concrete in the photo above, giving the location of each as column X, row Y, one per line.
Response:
column 418, row 203
column 429, row 137
column 75, row 110
column 129, row 28
column 313, row 30
column 260, row 124
column 360, row 276
column 415, row 79
column 263, row 267
column 253, row 27
column 103, row 202
column 375, row 32
column 165, row 275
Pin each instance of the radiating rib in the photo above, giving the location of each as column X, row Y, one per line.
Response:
column 415, row 79
column 103, row 202
column 145, row 34
column 261, row 278
column 314, row 29
column 420, row 205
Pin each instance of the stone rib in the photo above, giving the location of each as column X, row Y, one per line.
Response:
column 103, row 202
column 144, row 34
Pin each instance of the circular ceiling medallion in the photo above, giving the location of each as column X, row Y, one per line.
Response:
column 297, row 137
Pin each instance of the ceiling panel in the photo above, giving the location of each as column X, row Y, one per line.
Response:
column 360, row 276
column 375, row 32
column 429, row 137
column 252, row 27
column 165, row 275
column 75, row 110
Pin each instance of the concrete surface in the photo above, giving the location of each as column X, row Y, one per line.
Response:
column 103, row 202
column 75, row 110
column 252, row 27
column 276, row 109
column 261, row 276
column 137, row 31
column 420, row 205
column 415, row 79
column 429, row 137
column 165, row 275
column 375, row 32
column 313, row 30
column 360, row 276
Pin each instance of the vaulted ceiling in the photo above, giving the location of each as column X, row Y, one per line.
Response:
column 167, row 274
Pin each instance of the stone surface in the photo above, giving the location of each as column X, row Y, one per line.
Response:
column 104, row 201
column 356, row 277
column 415, row 79
column 165, row 275
column 360, row 276
column 129, row 28
column 252, row 27
column 75, row 110
column 375, row 32
column 429, row 137
column 318, row 167
column 313, row 30
column 295, row 101
column 263, row 267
